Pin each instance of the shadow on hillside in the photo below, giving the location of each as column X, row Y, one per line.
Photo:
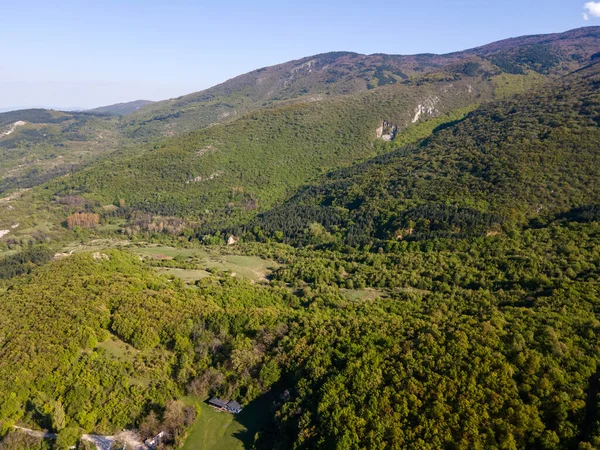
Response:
column 591, row 408
column 257, row 415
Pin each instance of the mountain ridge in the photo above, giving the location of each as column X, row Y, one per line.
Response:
column 120, row 109
column 344, row 72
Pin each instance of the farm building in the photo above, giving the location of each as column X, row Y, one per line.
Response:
column 156, row 440
column 224, row 405
column 234, row 407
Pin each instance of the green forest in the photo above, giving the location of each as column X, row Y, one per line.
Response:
column 437, row 289
column 487, row 342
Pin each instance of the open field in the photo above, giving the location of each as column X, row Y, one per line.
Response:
column 117, row 349
column 208, row 260
column 215, row 430
column 367, row 294
column 189, row 264
column 187, row 275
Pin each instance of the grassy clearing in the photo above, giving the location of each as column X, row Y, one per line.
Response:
column 114, row 225
column 358, row 295
column 216, row 430
column 251, row 267
column 117, row 349
column 187, row 275
column 207, row 259
column 196, row 263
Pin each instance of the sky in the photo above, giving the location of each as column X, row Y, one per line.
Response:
column 88, row 53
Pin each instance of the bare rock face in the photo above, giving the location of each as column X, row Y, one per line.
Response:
column 426, row 108
column 387, row 131
column 101, row 256
column 232, row 240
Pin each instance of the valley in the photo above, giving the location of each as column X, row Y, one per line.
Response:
column 363, row 251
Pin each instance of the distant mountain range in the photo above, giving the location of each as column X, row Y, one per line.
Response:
column 117, row 109
column 55, row 108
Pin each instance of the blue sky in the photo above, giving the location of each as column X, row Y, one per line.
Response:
column 89, row 53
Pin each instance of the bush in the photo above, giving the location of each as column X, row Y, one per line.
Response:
column 67, row 438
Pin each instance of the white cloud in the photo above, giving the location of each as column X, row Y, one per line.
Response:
column 592, row 9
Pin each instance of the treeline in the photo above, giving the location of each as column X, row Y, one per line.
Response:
column 329, row 226
column 24, row 261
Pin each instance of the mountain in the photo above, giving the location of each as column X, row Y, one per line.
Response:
column 494, row 71
column 338, row 73
column 534, row 155
column 233, row 170
column 37, row 145
column 121, row 109
column 410, row 261
column 244, row 166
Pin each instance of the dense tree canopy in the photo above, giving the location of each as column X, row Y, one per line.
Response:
column 439, row 291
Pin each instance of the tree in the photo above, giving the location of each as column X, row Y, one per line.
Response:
column 58, row 416
column 150, row 426
column 16, row 440
column 174, row 416
column 83, row 220
column 67, row 438
column 269, row 373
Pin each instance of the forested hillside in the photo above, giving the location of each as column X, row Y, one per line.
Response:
column 97, row 342
column 505, row 163
column 248, row 164
column 479, row 343
column 37, row 145
column 371, row 252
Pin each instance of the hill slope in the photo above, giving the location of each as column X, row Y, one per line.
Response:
column 121, row 109
column 536, row 154
column 37, row 144
column 257, row 160
column 338, row 73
